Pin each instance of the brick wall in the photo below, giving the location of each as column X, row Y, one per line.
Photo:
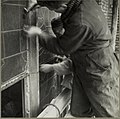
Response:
column 106, row 6
column 118, row 37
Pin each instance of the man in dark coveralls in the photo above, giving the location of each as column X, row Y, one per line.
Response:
column 95, row 66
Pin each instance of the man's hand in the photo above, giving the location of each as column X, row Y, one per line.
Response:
column 46, row 68
column 32, row 30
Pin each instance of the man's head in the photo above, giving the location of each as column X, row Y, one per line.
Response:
column 57, row 26
column 57, row 5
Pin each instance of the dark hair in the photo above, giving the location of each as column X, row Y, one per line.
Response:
column 50, row 3
column 56, row 22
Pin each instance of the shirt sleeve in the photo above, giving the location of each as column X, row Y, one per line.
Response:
column 63, row 68
column 75, row 36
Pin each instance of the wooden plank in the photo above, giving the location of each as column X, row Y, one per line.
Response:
column 13, row 80
column 61, row 102
column 31, row 83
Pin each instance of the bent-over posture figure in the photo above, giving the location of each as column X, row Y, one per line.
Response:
column 95, row 67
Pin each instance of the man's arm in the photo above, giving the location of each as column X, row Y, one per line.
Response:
column 72, row 39
column 62, row 68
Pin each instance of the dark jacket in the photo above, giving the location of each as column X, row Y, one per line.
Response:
column 88, row 41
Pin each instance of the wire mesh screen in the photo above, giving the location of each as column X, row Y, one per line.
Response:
column 49, row 83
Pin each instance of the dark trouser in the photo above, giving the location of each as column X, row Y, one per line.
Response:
column 96, row 85
column 89, row 102
column 80, row 105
